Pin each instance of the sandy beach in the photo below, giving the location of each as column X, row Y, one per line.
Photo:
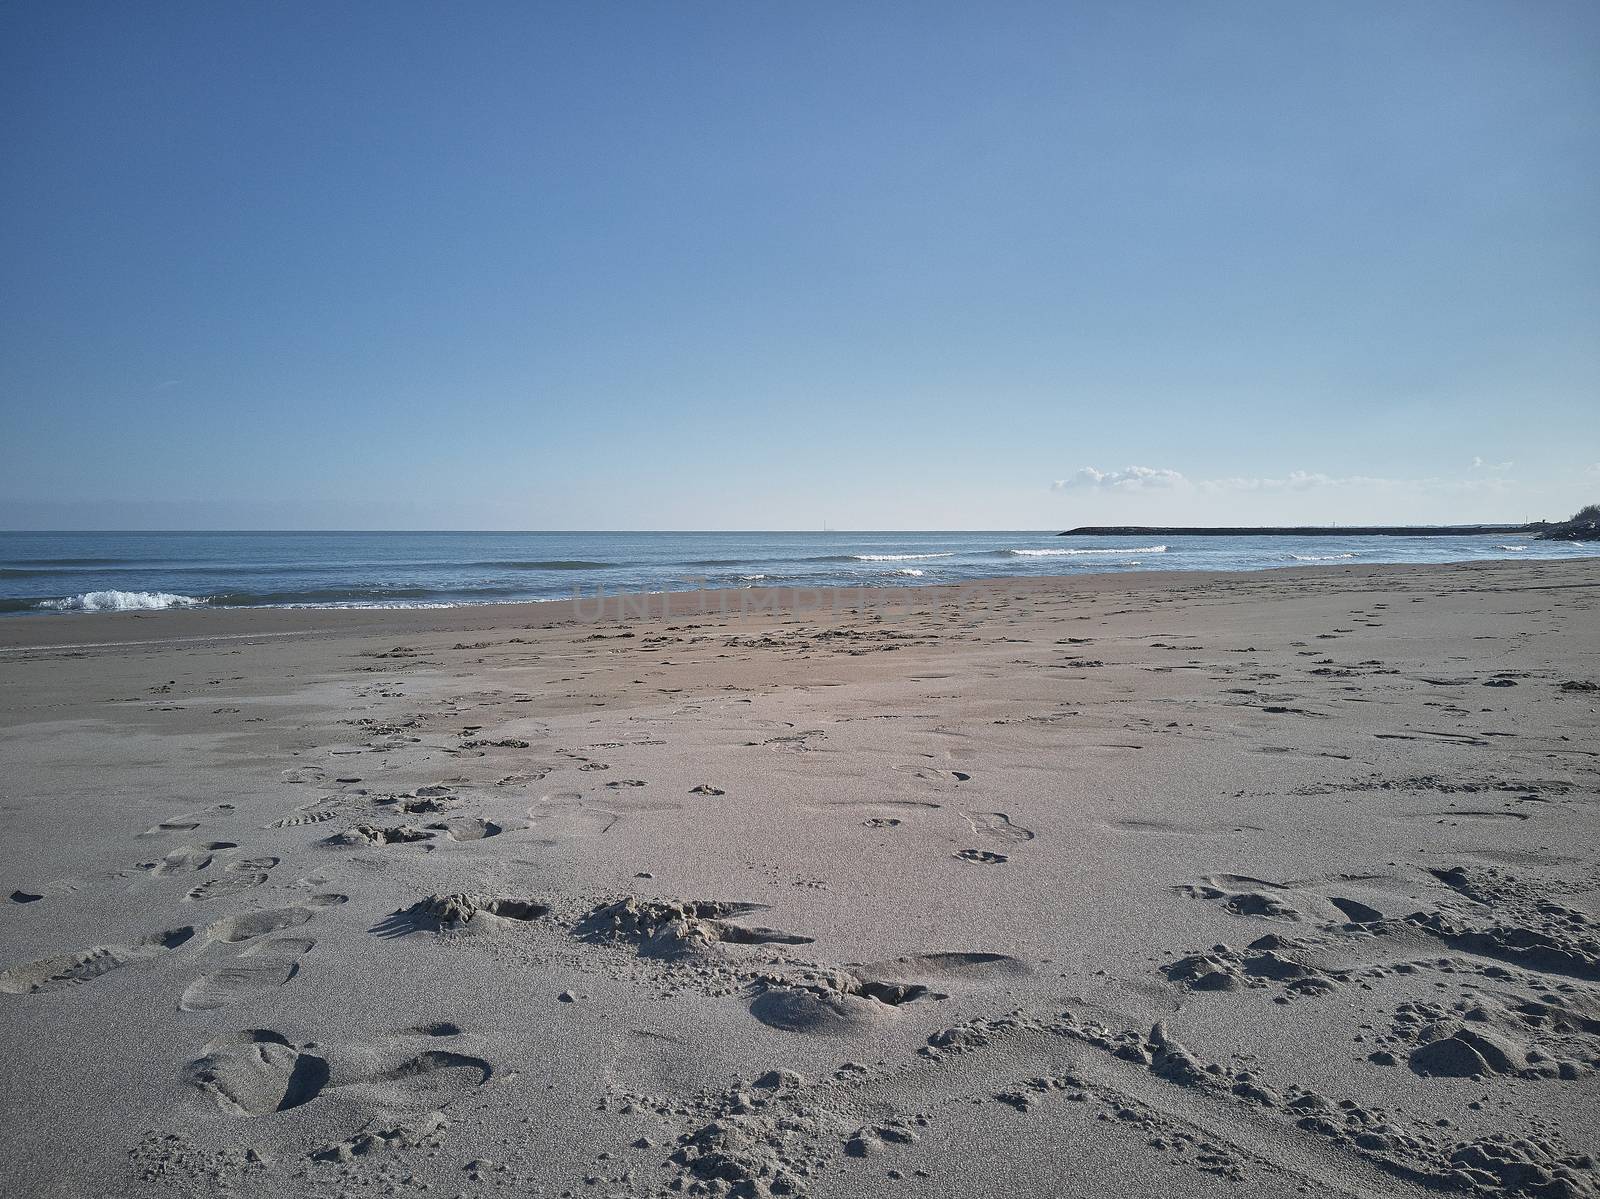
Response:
column 1277, row 883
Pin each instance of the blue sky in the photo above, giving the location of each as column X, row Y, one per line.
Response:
column 735, row 265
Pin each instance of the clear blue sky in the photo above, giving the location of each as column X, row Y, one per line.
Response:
column 751, row 265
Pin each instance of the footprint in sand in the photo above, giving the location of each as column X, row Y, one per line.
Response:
column 258, row 1070
column 52, row 890
column 561, row 820
column 373, row 834
column 469, row 829
column 419, row 805
column 997, row 825
column 982, row 856
column 186, row 823
column 882, row 822
column 1452, row 815
column 259, row 968
column 1178, row 828
column 72, row 969
column 175, row 825
column 247, row 926
column 235, row 882
column 238, row 877
column 949, row 966
column 1247, row 896
column 187, row 858
column 565, row 814
column 930, row 774
column 839, row 1001
column 430, row 1081
column 296, row 819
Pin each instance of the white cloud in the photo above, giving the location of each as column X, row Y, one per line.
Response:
column 1132, row 478
column 1150, row 478
column 1298, row 480
column 1481, row 464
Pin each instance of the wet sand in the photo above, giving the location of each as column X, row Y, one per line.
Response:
column 1280, row 883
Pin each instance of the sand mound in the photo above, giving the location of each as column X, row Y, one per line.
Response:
column 673, row 928
column 462, row 912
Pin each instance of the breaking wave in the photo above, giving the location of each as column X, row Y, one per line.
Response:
column 1322, row 557
column 119, row 601
column 897, row 557
column 1063, row 553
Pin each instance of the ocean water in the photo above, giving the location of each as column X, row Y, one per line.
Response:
column 74, row 572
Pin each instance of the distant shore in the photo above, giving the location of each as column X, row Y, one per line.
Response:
column 1301, row 530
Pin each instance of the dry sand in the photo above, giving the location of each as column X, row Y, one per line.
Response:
column 1268, row 884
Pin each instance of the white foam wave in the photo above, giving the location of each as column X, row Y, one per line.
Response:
column 900, row 557
column 1135, row 549
column 405, row 605
column 1321, row 557
column 121, row 601
column 907, row 570
column 1510, row 547
column 751, row 578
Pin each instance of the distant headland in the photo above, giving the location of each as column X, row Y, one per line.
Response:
column 1297, row 531
column 1584, row 526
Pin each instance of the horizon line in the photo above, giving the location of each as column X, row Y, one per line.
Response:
column 814, row 532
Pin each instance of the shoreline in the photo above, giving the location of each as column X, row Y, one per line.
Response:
column 30, row 630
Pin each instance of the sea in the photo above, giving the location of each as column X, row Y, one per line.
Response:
column 99, row 571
